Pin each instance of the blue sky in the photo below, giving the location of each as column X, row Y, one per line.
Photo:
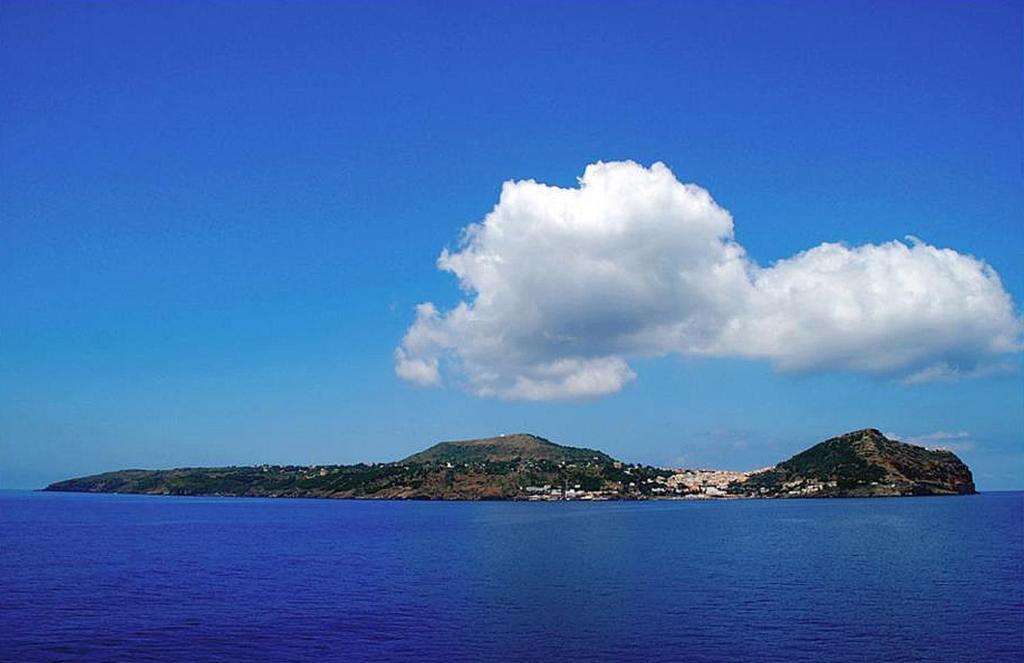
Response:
column 216, row 218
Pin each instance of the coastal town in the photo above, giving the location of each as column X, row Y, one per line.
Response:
column 648, row 483
column 861, row 463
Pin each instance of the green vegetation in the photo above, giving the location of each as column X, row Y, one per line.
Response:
column 507, row 448
column 861, row 464
column 526, row 466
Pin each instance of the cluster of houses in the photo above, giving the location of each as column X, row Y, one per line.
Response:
column 682, row 484
column 549, row 493
column 704, row 483
column 805, row 488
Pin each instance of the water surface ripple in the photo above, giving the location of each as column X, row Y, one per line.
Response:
column 133, row 578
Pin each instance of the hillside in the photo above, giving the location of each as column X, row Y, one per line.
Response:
column 506, row 467
column 505, row 448
column 522, row 466
column 863, row 463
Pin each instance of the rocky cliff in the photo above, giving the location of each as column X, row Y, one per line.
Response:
column 863, row 463
column 521, row 466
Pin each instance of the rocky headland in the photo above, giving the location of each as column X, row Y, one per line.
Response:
column 863, row 463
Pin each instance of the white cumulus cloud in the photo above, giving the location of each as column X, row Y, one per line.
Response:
column 564, row 285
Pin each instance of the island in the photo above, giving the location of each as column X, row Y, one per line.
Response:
column 863, row 463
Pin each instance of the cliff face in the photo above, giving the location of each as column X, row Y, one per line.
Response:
column 863, row 463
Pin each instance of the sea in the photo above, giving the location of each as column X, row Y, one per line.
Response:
column 138, row 578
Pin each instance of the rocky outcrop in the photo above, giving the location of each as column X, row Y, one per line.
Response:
column 859, row 464
column 863, row 463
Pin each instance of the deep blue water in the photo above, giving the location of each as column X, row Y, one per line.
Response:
column 131, row 578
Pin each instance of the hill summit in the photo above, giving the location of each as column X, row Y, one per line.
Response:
column 505, row 448
column 521, row 466
column 864, row 463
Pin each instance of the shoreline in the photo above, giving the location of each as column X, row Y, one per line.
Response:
column 675, row 498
